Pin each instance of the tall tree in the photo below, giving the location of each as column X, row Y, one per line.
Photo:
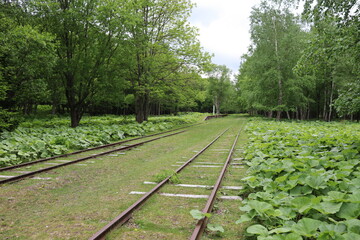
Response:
column 333, row 51
column 219, row 85
column 88, row 33
column 160, row 43
column 276, row 46
column 27, row 57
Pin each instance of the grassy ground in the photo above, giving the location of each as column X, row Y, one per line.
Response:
column 79, row 200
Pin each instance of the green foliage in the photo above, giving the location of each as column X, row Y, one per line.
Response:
column 219, row 85
column 162, row 52
column 303, row 180
column 39, row 139
column 27, row 57
column 215, row 228
column 267, row 81
column 7, row 121
column 174, row 177
column 348, row 101
column 198, row 215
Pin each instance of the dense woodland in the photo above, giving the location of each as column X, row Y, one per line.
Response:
column 142, row 57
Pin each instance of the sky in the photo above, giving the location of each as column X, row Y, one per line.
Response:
column 224, row 29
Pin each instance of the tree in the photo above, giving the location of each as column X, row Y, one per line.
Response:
column 88, row 32
column 219, row 85
column 160, row 44
column 277, row 41
column 332, row 53
column 27, row 57
column 348, row 102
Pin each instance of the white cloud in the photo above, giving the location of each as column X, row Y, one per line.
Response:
column 224, row 28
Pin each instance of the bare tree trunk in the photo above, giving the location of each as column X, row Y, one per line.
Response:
column 325, row 105
column 217, row 105
column 331, row 99
column 280, row 97
column 270, row 114
column 288, row 115
column 297, row 113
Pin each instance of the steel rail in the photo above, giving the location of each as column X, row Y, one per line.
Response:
column 201, row 224
column 88, row 149
column 125, row 215
column 7, row 180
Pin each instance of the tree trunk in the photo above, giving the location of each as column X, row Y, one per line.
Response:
column 141, row 107
column 217, row 105
column 325, row 105
column 288, row 115
column 270, row 114
column 331, row 99
column 280, row 96
column 54, row 109
column 75, row 115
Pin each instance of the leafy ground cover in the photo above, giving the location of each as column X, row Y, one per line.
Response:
column 36, row 139
column 303, row 181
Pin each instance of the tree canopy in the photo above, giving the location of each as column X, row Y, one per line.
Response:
column 302, row 69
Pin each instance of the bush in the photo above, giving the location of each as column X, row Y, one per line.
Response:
column 8, row 121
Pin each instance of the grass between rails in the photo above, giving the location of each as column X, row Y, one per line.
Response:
column 79, row 200
column 40, row 139
column 169, row 217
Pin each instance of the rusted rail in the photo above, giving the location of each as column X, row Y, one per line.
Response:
column 201, row 224
column 125, row 215
column 88, row 149
column 7, row 180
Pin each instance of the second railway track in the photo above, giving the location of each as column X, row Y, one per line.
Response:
column 109, row 148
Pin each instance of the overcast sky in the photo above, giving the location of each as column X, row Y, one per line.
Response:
column 224, row 28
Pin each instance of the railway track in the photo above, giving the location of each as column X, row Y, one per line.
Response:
column 123, row 217
column 112, row 146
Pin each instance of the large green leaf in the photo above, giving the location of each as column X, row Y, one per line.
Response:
column 293, row 236
column 351, row 236
column 353, row 225
column 260, row 207
column 258, row 230
column 196, row 214
column 316, row 182
column 335, row 196
column 215, row 228
column 349, row 211
column 244, row 218
column 306, row 227
column 328, row 207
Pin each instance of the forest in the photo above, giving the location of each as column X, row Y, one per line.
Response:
column 116, row 123
column 142, row 57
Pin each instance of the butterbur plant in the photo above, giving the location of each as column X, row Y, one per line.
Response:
column 41, row 139
column 303, row 181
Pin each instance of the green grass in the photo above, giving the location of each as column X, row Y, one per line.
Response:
column 80, row 200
